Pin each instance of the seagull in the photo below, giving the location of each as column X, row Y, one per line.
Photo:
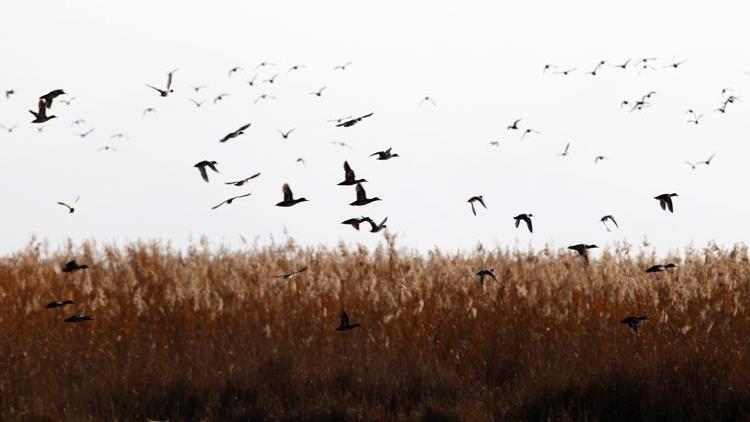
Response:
column 59, row 304
column 708, row 161
column 285, row 135
column 71, row 209
column 384, row 155
column 236, row 133
column 10, row 129
column 674, row 65
column 289, row 197
column 78, row 318
column 355, row 222
column 486, row 273
column 149, row 110
column 514, row 126
column 665, row 200
column 528, row 131
column 229, row 201
column 526, row 218
column 318, row 93
column 287, row 276
column 263, row 97
column 201, row 166
column 197, row 88
column 564, row 72
column 374, row 228
column 478, row 198
column 599, row 158
column 243, row 181
column 296, row 67
column 349, row 178
column 198, row 104
column 660, row 268
column 40, row 116
column 634, row 322
column 50, row 96
column 168, row 90
column 72, row 266
column 608, row 218
column 344, row 324
column 271, row 79
column 362, row 198
column 566, row 151
column 342, row 66
column 220, row 97
column 428, row 98
column 67, row 102
column 233, row 71
column 583, row 250
column 354, row 121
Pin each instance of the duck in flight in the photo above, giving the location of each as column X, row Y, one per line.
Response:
column 526, row 218
column 623, row 65
column 73, row 266
column 514, row 126
column 486, row 273
column 236, row 133
column 384, row 155
column 362, row 198
column 168, row 90
column 289, row 197
column 355, row 222
column 374, row 228
column 230, row 200
column 659, row 268
column 201, row 166
column 78, row 318
column 50, row 96
column 634, row 323
column 611, row 219
column 285, row 135
column 354, row 121
column 40, row 116
column 349, row 177
column 665, row 201
column 344, row 324
column 243, row 181
column 71, row 209
column 583, row 250
column 287, row 276
column 220, row 97
column 479, row 199
column 529, row 131
column 58, row 304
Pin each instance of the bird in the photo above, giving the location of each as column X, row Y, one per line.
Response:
column 660, row 268
column 271, row 79
column 528, row 131
column 301, row 160
column 362, row 198
column 566, row 151
column 198, row 104
column 674, row 65
column 344, row 324
column 287, row 276
column 696, row 119
column 9, row 129
column 233, row 71
column 354, row 121
column 349, row 177
column 609, row 218
column 201, row 166
column 597, row 67
column 583, row 250
column 236, row 133
column 220, row 97
column 107, row 148
column 71, row 209
column 197, row 88
column 59, row 304
column 645, row 67
column 149, row 110
column 599, row 158
column 564, row 72
column 707, row 161
column 8, row 93
column 318, row 93
column 495, row 143
column 665, row 200
column 355, row 222
column 342, row 66
column 229, row 201
column 78, row 318
column 374, row 228
column 264, row 97
column 478, row 198
column 40, row 116
column 119, row 135
column 384, row 155
column 242, row 181
column 548, row 67
column 50, row 96
column 168, row 90
column 289, row 197
column 263, row 64
column 692, row 165
column 427, row 98
column 634, row 322
column 296, row 67
column 68, row 101
column 623, row 65
column 514, row 126
column 341, row 144
column 251, row 82
column 486, row 273
column 526, row 218
column 72, row 266
column 285, row 135
column 85, row 134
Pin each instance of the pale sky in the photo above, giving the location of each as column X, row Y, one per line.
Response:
column 481, row 61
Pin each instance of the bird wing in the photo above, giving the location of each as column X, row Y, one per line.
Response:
column 204, row 175
column 154, row 88
column 663, row 203
column 212, row 166
column 518, row 221
column 361, row 195
column 529, row 225
column 348, row 172
column 240, row 196
column 243, row 127
column 344, row 319
column 288, row 196
column 65, row 205
column 222, row 203
column 473, row 211
column 169, row 80
column 252, row 177
column 481, row 201
column 668, row 200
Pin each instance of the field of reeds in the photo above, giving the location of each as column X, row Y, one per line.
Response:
column 210, row 334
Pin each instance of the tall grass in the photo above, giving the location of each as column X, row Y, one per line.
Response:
column 209, row 334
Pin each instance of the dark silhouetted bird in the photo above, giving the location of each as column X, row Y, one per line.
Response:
column 230, row 200
column 285, row 135
column 354, row 121
column 264, row 97
column 243, row 181
column 50, row 96
column 514, row 126
column 362, row 198
column 486, row 273
column 609, row 218
column 660, row 268
column 374, row 228
column 201, row 166
column 168, row 90
column 349, row 177
column 272, row 79
column 72, row 266
column 287, row 276
column 384, row 155
column 71, row 209
column 78, row 318
column 355, row 222
column 236, row 133
column 344, row 324
column 583, row 250
column 566, row 151
column 342, row 66
column 318, row 93
column 58, row 304
column 9, row 129
column 526, row 218
column 40, row 116
column 529, row 131
column 289, row 197
column 473, row 199
column 428, row 99
column 665, row 201
column 233, row 70
column 634, row 323
column 220, row 97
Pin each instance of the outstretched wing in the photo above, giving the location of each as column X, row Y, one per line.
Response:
column 348, row 172
column 361, row 195
column 288, row 196
column 204, row 175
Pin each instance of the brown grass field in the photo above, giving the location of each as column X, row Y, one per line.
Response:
column 210, row 334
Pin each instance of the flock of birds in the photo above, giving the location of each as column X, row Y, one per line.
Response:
column 42, row 114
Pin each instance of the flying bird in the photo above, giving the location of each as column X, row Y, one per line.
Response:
column 564, row 72
column 220, row 97
column 198, row 104
column 251, row 82
column 708, row 161
column 344, row 324
column 355, row 222
column 107, row 148
column 73, row 266
column 40, row 116
column 149, row 110
column 548, row 67
column 8, row 93
column 566, row 151
column 50, row 96
column 85, row 134
column 349, row 177
column 78, row 318
column 362, row 198
column 427, row 99
column 9, row 129
column 528, row 131
column 696, row 119
column 264, row 97
column 71, row 209
column 659, row 268
column 473, row 199
column 242, row 181
column 342, row 66
column 289, row 197
column 341, row 144
column 318, row 93
column 354, row 121
column 168, row 90
column 486, row 273
column 58, row 304
column 609, row 218
column 285, row 135
column 526, row 218
column 287, row 276
column 384, row 155
column 230, row 200
column 197, row 88
column 674, row 65
column 233, row 70
column 634, row 323
column 514, row 126
column 599, row 158
column 271, row 79
column 236, row 133
column 201, row 166
column 296, row 67
column 374, row 228
column 263, row 64
column 583, row 250
column 623, row 65
column 665, row 200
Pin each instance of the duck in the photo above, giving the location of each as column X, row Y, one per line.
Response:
column 486, row 273
column 526, row 218
column 50, row 96
column 609, row 218
column 287, row 276
column 660, row 268
column 231, row 135
column 583, row 250
column 201, row 166
column 634, row 322
column 78, row 318
column 384, row 155
column 355, row 222
column 59, row 304
column 478, row 198
column 362, row 198
column 72, row 266
column 344, row 324
column 242, row 181
column 40, row 116
column 230, row 200
column 354, row 121
column 289, row 197
column 349, row 177
column 665, row 200
column 375, row 228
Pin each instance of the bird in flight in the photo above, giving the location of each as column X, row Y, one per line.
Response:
column 119, row 136
column 220, row 97
column 696, row 118
column 85, row 134
column 495, row 143
column 263, row 64
column 287, row 276
column 583, row 250
column 318, row 93
column 349, row 177
column 384, row 155
column 40, row 116
column 514, row 126
column 564, row 72
column 428, row 99
column 242, row 181
column 58, row 304
column 198, row 104
column 659, row 268
column 296, row 67
column 251, row 82
column 526, row 218
column 599, row 158
column 597, row 67
column 354, row 121
column 692, row 165
column 486, row 273
column 344, row 324
column 362, row 198
column 272, row 79
column 50, row 96
column 285, row 135
column 201, row 166
column 168, row 90
column 611, row 219
column 9, row 129
column 8, row 93
column 236, row 133
column 68, row 101
column 665, row 200
column 623, row 65
column 374, row 228
column 342, row 66
column 78, row 318
column 674, row 65
column 707, row 161
column 340, row 119
column 566, row 151
column 107, row 148
column 233, row 70
column 355, row 222
column 230, row 200
column 264, row 97
column 528, row 131
column 73, row 266
column 479, row 199
column 341, row 144
column 71, row 209
column 548, row 67
column 301, row 160
column 289, row 197
column 197, row 88
column 634, row 323
column 149, row 110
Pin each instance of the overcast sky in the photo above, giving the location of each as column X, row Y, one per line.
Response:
column 481, row 62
